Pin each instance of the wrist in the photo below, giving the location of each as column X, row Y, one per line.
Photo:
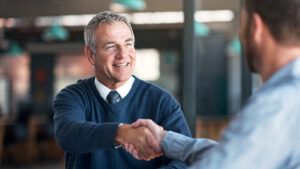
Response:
column 121, row 133
column 161, row 136
column 164, row 132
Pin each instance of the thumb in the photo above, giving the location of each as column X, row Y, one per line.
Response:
column 138, row 123
column 155, row 145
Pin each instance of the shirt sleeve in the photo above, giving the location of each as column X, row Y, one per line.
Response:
column 257, row 138
column 182, row 148
column 73, row 132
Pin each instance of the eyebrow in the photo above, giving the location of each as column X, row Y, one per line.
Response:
column 108, row 43
column 113, row 42
column 129, row 39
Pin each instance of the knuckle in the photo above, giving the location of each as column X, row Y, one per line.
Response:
column 140, row 139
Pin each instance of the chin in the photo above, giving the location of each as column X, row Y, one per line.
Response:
column 122, row 79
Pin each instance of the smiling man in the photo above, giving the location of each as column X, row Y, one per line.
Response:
column 92, row 116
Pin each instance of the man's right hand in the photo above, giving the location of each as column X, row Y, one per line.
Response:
column 158, row 133
column 141, row 138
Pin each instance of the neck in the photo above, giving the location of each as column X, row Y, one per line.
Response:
column 277, row 57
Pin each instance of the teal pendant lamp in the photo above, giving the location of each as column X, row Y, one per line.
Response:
column 55, row 32
column 15, row 49
column 201, row 29
column 235, row 47
column 132, row 4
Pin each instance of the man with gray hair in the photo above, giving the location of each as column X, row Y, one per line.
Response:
column 92, row 116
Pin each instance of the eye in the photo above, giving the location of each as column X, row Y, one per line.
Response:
column 128, row 44
column 110, row 47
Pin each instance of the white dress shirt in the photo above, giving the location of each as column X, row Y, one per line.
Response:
column 123, row 90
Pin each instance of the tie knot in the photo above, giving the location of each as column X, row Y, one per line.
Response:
column 113, row 97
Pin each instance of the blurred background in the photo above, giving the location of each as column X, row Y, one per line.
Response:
column 190, row 48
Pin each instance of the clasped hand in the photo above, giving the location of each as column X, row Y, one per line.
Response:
column 142, row 139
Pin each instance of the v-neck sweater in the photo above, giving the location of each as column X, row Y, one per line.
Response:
column 86, row 125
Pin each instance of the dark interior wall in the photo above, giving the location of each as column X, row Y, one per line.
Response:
column 42, row 81
column 212, row 76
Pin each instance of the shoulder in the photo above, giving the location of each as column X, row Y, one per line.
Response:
column 155, row 95
column 272, row 111
column 78, row 89
column 282, row 93
column 152, row 89
column 275, row 101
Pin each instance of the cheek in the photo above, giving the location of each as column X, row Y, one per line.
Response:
column 132, row 54
column 105, row 59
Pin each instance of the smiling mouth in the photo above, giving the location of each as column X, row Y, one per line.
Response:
column 120, row 65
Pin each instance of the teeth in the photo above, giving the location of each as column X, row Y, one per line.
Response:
column 120, row 65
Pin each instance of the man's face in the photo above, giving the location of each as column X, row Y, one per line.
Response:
column 114, row 59
column 246, row 37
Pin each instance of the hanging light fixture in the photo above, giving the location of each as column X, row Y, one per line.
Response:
column 121, row 5
column 234, row 48
column 201, row 29
column 15, row 49
column 55, row 32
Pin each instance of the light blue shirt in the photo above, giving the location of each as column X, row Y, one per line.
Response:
column 264, row 135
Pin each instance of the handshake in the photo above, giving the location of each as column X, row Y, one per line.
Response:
column 142, row 139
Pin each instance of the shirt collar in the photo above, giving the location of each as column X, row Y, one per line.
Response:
column 290, row 70
column 123, row 90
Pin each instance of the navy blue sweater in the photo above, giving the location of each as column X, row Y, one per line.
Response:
column 86, row 125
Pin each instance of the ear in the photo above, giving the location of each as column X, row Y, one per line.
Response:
column 90, row 55
column 258, row 28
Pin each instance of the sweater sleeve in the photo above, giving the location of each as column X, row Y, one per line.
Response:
column 172, row 119
column 73, row 133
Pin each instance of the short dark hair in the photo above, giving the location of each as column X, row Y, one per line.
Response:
column 281, row 16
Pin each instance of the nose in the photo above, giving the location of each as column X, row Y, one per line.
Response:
column 122, row 52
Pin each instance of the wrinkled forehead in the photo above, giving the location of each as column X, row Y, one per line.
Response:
column 118, row 26
column 114, row 25
column 116, row 32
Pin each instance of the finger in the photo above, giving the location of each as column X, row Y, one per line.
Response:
column 146, row 150
column 134, row 152
column 143, row 153
column 155, row 129
column 126, row 146
column 154, row 145
column 136, row 155
column 143, row 137
column 131, row 148
column 138, row 123
column 152, row 142
column 143, row 156
column 147, row 123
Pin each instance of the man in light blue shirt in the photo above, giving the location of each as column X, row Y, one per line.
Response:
column 266, row 132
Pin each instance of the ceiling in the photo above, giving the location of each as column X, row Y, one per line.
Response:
column 34, row 8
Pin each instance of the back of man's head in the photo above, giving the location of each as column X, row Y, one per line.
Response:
column 281, row 16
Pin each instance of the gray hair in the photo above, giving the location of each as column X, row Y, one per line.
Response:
column 106, row 17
